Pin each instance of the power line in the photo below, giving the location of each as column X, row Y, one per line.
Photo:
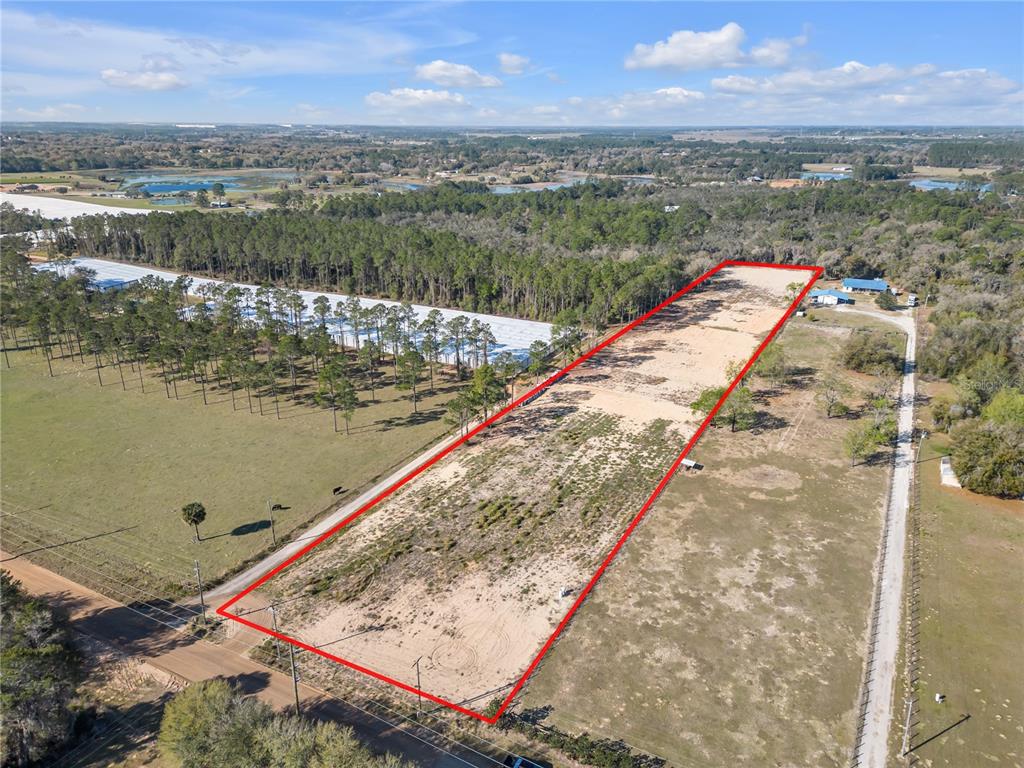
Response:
column 133, row 548
column 177, row 627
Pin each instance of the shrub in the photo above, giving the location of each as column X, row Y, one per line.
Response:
column 886, row 301
column 989, row 457
column 866, row 351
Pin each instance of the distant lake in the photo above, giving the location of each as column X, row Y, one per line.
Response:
column 510, row 189
column 824, row 176
column 161, row 183
column 401, row 186
column 928, row 185
column 172, row 201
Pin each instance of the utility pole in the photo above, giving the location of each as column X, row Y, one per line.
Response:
column 277, row 643
column 295, row 677
column 273, row 530
column 906, row 728
column 419, row 688
column 202, row 600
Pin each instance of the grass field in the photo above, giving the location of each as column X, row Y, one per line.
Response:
column 118, row 202
column 731, row 630
column 972, row 621
column 110, row 470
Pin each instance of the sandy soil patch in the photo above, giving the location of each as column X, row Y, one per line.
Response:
column 470, row 566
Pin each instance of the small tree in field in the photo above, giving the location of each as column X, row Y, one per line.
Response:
column 739, row 409
column 346, row 400
column 707, row 401
column 793, row 290
column 194, row 513
column 831, row 390
column 410, row 366
column 859, row 443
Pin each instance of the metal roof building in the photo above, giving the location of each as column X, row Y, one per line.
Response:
column 858, row 284
column 830, row 296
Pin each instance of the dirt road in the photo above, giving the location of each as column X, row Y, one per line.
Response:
column 186, row 658
column 871, row 749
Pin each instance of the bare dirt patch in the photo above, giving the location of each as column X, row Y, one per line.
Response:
column 469, row 567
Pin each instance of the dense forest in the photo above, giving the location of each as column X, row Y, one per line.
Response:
column 700, row 155
column 601, row 249
column 373, row 258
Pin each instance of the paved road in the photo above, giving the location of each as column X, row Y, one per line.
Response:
column 873, row 737
column 189, row 659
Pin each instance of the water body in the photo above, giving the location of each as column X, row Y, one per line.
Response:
column 401, row 186
column 171, row 201
column 824, row 176
column 509, row 189
column 928, row 185
column 160, row 183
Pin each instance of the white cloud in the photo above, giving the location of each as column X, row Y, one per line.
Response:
column 512, row 63
column 664, row 105
column 401, row 99
column 143, row 81
column 876, row 94
column 735, row 84
column 66, row 46
column 448, row 73
column 771, row 53
column 51, row 112
column 677, row 95
column 687, row 49
column 714, row 49
column 853, row 75
column 47, row 86
column 546, row 109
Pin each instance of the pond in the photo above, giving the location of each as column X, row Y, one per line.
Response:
column 824, row 176
column 928, row 185
column 171, row 182
column 171, row 201
column 510, row 189
column 401, row 186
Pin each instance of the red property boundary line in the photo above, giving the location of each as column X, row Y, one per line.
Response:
column 223, row 609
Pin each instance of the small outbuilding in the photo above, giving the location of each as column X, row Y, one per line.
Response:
column 830, row 297
column 868, row 286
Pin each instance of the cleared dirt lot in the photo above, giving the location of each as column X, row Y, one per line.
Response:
column 470, row 567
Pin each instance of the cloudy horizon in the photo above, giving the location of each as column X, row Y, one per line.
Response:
column 507, row 65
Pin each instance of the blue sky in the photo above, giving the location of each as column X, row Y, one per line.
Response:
column 531, row 64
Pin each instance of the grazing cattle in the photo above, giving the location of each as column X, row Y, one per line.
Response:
column 337, row 491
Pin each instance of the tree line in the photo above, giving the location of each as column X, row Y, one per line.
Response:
column 373, row 258
column 260, row 345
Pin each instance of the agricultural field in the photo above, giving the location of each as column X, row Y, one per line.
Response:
column 972, row 620
column 110, row 469
column 472, row 564
column 732, row 629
